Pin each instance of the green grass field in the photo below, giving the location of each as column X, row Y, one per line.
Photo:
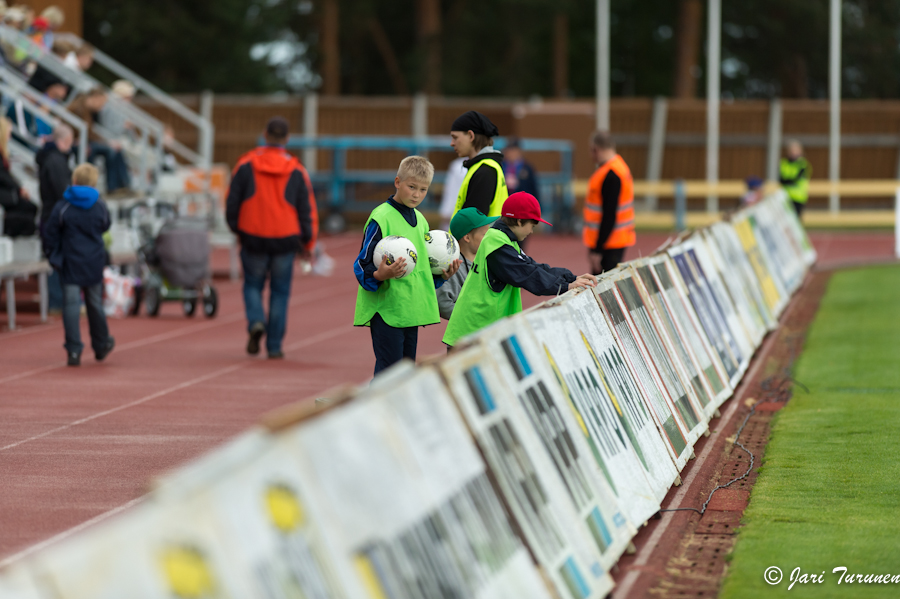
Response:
column 829, row 490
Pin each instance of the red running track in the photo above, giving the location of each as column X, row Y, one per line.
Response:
column 77, row 444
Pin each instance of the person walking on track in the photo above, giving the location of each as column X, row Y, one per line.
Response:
column 272, row 209
column 609, row 207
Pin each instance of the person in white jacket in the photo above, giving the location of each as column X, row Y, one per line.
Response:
column 456, row 172
column 468, row 227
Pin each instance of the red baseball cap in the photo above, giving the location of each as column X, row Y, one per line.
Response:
column 523, row 205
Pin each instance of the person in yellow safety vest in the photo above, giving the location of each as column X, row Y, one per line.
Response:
column 484, row 186
column 794, row 173
column 609, row 207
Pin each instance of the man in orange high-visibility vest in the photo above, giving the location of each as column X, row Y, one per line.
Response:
column 609, row 207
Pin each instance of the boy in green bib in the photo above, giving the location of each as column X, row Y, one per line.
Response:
column 493, row 289
column 390, row 306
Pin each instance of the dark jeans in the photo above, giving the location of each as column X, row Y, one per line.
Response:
column 54, row 291
column 117, row 175
column 609, row 259
column 798, row 208
column 93, row 302
column 280, row 269
column 392, row 344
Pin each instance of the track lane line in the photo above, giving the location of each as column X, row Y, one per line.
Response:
column 329, row 334
column 67, row 533
column 222, row 320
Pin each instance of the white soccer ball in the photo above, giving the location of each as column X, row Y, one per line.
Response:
column 442, row 250
column 395, row 247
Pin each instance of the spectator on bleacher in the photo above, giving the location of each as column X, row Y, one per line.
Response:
column 54, row 175
column 271, row 207
column 20, row 212
column 84, row 57
column 87, row 107
column 29, row 128
column 16, row 18
column 51, row 19
column 74, row 239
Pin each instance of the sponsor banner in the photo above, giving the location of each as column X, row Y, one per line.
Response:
column 18, row 583
column 623, row 287
column 744, row 305
column 153, row 551
column 672, row 427
column 405, row 499
column 773, row 241
column 736, row 270
column 607, row 419
column 663, row 320
column 624, row 384
column 256, row 502
column 574, row 529
column 709, row 311
column 788, row 217
column 726, row 304
column 675, row 296
column 772, row 286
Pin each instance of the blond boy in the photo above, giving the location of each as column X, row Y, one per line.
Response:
column 393, row 308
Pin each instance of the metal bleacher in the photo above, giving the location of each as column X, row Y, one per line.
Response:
column 150, row 187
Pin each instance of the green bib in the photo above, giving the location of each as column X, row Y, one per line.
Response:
column 407, row 302
column 799, row 191
column 500, row 192
column 478, row 305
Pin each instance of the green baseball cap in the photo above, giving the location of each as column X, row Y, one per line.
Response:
column 467, row 219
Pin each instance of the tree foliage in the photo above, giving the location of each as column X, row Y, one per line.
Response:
column 496, row 48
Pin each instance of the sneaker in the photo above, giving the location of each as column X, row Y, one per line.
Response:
column 256, row 332
column 276, row 355
column 74, row 358
column 110, row 344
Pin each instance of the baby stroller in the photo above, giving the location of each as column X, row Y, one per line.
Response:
column 177, row 268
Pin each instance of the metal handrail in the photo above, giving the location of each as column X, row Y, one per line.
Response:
column 83, row 82
column 14, row 88
column 204, row 126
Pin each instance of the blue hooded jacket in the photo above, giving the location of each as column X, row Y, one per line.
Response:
column 73, row 238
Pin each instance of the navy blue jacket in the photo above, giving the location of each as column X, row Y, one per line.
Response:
column 506, row 266
column 73, row 236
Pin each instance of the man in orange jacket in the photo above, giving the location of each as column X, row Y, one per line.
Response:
column 272, row 209
column 609, row 207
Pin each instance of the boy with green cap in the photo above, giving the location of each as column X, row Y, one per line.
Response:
column 501, row 270
column 468, row 227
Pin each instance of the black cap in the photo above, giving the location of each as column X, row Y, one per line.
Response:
column 513, row 142
column 475, row 122
column 277, row 127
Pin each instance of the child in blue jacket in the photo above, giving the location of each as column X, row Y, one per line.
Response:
column 74, row 244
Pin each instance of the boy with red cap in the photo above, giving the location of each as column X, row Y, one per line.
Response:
column 501, row 270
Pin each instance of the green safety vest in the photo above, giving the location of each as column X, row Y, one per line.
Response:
column 407, row 302
column 500, row 192
column 478, row 305
column 799, row 191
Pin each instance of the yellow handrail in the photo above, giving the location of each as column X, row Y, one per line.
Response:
column 736, row 188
